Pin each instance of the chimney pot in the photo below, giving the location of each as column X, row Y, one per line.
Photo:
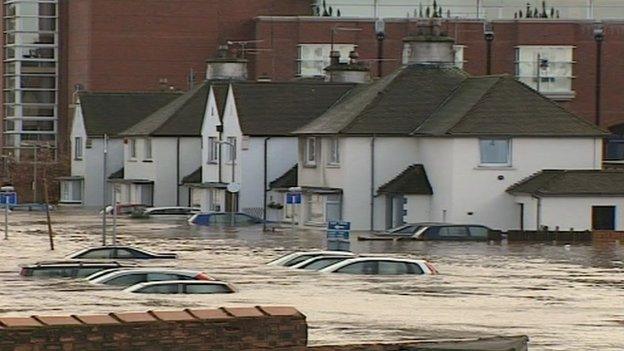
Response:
column 334, row 57
column 353, row 56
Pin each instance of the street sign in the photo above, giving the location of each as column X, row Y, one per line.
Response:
column 9, row 198
column 338, row 236
column 293, row 198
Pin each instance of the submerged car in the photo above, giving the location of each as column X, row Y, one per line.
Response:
column 381, row 266
column 67, row 269
column 120, row 252
column 182, row 287
column 441, row 231
column 320, row 262
column 130, row 277
column 294, row 258
column 165, row 212
column 224, row 219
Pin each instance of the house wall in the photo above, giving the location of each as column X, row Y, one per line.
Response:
column 162, row 169
column 211, row 120
column 418, row 208
column 478, row 190
column 576, row 212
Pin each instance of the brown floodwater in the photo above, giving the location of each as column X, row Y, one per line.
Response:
column 564, row 297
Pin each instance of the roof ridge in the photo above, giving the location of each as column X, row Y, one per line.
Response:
column 478, row 102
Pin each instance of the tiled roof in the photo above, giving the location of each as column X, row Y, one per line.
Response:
column 412, row 181
column 571, row 183
column 286, row 180
column 112, row 113
column 441, row 101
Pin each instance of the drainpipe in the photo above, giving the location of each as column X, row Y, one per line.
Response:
column 488, row 34
column 265, row 183
column 372, row 188
column 538, row 217
column 178, row 171
column 598, row 37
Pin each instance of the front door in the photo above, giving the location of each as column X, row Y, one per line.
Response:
column 603, row 217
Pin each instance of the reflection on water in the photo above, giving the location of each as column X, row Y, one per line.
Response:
column 563, row 297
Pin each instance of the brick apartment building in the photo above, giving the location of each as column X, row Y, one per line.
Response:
column 52, row 48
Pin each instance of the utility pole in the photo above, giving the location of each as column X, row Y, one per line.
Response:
column 105, row 155
column 47, row 207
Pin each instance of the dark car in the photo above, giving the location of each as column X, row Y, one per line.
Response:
column 443, row 231
column 119, row 253
column 224, row 219
column 66, row 269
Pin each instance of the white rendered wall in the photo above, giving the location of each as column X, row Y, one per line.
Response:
column 418, row 208
column 576, row 212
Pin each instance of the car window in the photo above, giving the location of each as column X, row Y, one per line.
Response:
column 127, row 279
column 406, row 229
column 153, row 277
column 160, row 289
column 369, row 267
column 207, row 289
column 323, row 263
column 414, row 268
column 299, row 259
column 156, row 212
column 83, row 272
column 243, row 219
column 52, row 272
column 126, row 253
column 392, row 268
column 96, row 253
column 453, row 231
column 478, row 232
column 219, row 218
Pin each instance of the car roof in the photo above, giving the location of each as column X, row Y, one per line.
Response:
column 109, row 247
column 187, row 282
column 171, row 208
column 69, row 264
column 382, row 258
column 152, row 270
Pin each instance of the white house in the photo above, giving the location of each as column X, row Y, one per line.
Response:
column 162, row 149
column 96, row 115
column 257, row 118
column 430, row 143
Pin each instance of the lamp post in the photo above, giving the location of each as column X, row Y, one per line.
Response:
column 599, row 38
column 380, row 30
column 6, row 190
column 233, row 160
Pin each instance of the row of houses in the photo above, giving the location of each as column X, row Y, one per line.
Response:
column 426, row 143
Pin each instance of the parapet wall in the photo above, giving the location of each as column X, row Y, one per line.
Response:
column 256, row 328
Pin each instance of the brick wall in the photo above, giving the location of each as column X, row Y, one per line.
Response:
column 225, row 329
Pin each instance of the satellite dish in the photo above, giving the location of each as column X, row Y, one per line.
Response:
column 233, row 187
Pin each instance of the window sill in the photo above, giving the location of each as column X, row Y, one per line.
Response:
column 229, row 163
column 494, row 168
column 148, row 161
column 77, row 159
column 212, row 162
column 309, row 165
column 132, row 160
column 333, row 165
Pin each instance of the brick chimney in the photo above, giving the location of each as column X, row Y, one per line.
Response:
column 429, row 45
column 351, row 72
column 226, row 66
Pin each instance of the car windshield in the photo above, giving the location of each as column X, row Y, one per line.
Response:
column 323, row 262
column 407, row 229
column 299, row 259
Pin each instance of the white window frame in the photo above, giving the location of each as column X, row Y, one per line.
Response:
column 458, row 56
column 527, row 70
column 506, row 164
column 321, row 61
column 232, row 149
column 310, row 151
column 78, row 150
column 133, row 148
column 148, row 149
column 68, row 191
column 213, row 151
column 333, row 152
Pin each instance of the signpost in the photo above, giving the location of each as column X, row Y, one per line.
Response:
column 338, row 235
column 8, row 197
column 293, row 198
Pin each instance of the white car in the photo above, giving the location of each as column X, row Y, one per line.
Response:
column 296, row 257
column 182, row 287
column 381, row 266
column 130, row 277
column 178, row 212
column 320, row 262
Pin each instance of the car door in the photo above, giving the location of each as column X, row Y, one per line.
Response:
column 365, row 267
column 454, row 232
column 101, row 253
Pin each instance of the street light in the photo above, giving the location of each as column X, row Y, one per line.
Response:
column 488, row 34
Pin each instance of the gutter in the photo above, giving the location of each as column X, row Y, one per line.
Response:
column 372, row 187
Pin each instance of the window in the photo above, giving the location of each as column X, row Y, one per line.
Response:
column 133, row 150
column 78, row 148
column 603, row 217
column 207, row 289
column 96, row 253
column 213, row 150
column 313, row 58
column 334, row 151
column 458, row 51
column 148, row 148
column 71, row 191
column 547, row 69
column 160, row 289
column 127, row 280
column 231, row 149
column 455, row 232
column 310, row 151
column 495, row 152
column 478, row 232
column 359, row 268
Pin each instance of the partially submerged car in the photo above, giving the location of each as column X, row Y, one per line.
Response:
column 224, row 219
column 182, row 287
column 320, row 262
column 294, row 258
column 438, row 232
column 120, row 252
column 129, row 277
column 381, row 266
column 170, row 212
column 67, row 269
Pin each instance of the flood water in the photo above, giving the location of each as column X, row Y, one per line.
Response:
column 562, row 297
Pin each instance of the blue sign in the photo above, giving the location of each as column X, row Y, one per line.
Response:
column 8, row 198
column 338, row 225
column 293, row 198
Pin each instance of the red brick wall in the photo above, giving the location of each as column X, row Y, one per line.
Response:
column 283, row 35
column 224, row 329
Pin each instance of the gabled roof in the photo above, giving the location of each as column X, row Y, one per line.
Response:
column 412, row 181
column 435, row 100
column 193, row 178
column 286, row 180
column 112, row 113
column 275, row 109
column 118, row 174
column 571, row 183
